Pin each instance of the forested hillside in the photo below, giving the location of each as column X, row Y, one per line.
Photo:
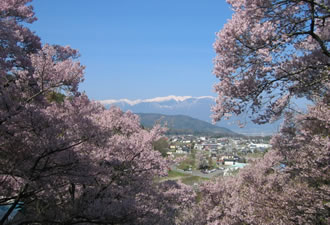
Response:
column 181, row 124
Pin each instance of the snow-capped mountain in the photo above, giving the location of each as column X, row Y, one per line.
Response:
column 154, row 100
column 196, row 107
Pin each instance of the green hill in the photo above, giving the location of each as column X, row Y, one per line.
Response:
column 180, row 124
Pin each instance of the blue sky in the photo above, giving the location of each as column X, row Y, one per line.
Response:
column 137, row 49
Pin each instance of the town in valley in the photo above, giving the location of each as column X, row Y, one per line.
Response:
column 195, row 159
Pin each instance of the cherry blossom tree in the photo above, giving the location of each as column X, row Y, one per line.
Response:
column 17, row 41
column 290, row 185
column 270, row 52
column 67, row 159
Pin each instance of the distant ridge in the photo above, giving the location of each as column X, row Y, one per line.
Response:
column 181, row 124
column 194, row 106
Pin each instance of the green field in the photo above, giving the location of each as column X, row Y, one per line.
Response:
column 184, row 178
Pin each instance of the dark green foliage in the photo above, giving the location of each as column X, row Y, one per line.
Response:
column 162, row 146
column 55, row 97
column 187, row 164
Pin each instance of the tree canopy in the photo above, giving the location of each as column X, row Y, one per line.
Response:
column 270, row 52
column 65, row 158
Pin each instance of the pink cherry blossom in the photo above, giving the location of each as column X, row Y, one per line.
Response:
column 66, row 158
column 268, row 53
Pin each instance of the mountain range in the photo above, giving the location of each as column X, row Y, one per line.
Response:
column 180, row 124
column 195, row 107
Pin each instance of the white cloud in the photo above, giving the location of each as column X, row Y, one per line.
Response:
column 157, row 99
